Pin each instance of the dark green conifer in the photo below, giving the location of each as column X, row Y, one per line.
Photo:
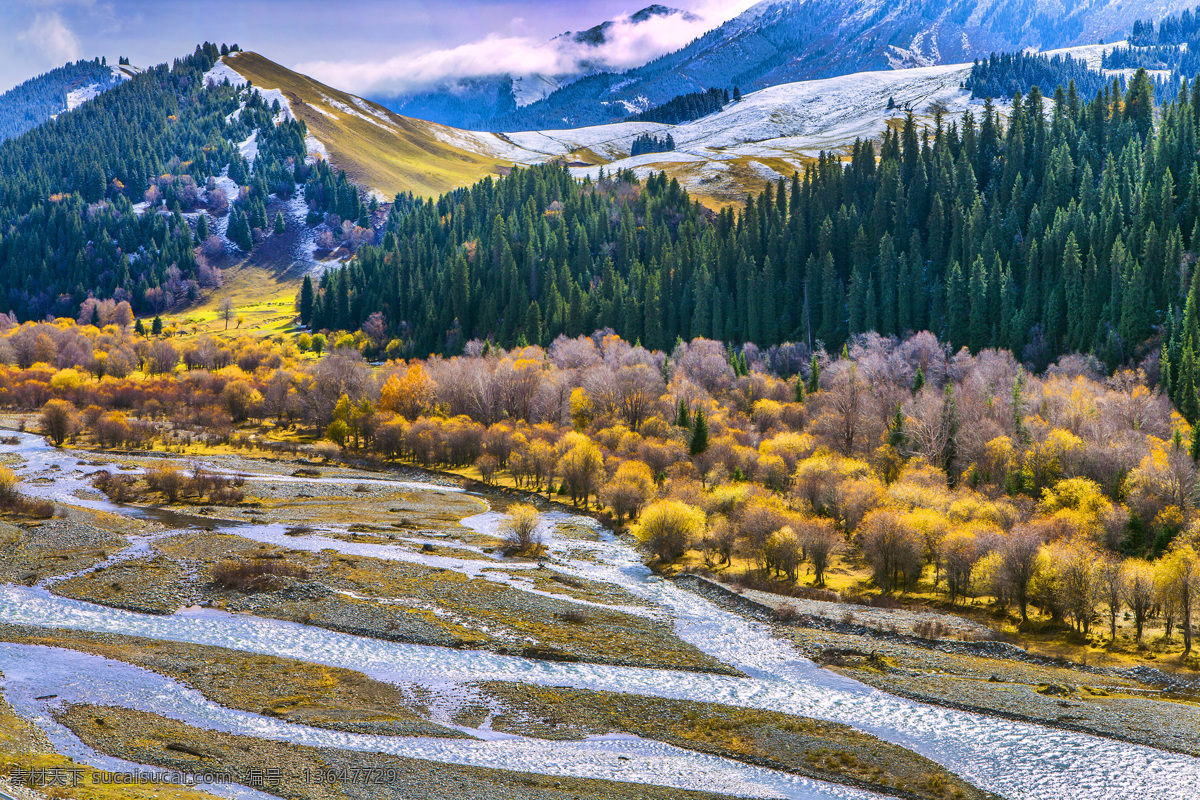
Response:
column 698, row 442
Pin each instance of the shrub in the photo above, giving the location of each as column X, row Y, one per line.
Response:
column 118, row 488
column 168, row 480
column 60, row 421
column 573, row 616
column 520, row 529
column 629, row 489
column 325, row 450
column 487, row 466
column 669, row 527
column 11, row 499
column 255, row 574
column 927, row 629
column 782, row 552
column 8, row 485
column 226, row 496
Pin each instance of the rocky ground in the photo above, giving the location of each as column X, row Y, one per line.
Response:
column 1141, row 706
column 341, row 699
column 78, row 539
column 393, row 600
column 897, row 620
column 933, row 658
column 823, row 750
column 1104, row 703
column 23, row 747
column 151, row 739
column 285, row 688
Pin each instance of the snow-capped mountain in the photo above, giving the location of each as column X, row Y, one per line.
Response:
column 468, row 100
column 780, row 41
column 600, row 34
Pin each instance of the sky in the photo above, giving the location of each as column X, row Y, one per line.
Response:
column 367, row 47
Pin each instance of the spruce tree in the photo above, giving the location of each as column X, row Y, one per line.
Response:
column 699, row 439
column 306, row 301
column 533, row 324
column 683, row 419
column 896, row 436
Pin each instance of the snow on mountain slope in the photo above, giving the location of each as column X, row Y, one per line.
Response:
column 774, row 132
column 531, row 88
column 769, row 134
column 77, row 97
column 783, row 41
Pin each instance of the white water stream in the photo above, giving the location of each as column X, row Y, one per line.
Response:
column 1014, row 759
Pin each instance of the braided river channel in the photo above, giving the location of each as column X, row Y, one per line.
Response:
column 1010, row 758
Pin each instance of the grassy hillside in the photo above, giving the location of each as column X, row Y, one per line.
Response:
column 376, row 147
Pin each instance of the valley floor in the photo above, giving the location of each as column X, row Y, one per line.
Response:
column 388, row 631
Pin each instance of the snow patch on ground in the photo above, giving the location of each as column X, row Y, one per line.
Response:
column 285, row 105
column 249, row 148
column 221, row 72
column 374, row 112
column 315, row 147
column 296, row 212
column 374, row 118
column 78, row 97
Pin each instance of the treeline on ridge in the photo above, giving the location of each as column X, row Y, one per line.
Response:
column 1173, row 30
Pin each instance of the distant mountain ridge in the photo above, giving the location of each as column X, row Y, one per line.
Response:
column 782, row 41
column 43, row 97
column 472, row 101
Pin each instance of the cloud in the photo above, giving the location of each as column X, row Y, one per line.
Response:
column 627, row 44
column 50, row 36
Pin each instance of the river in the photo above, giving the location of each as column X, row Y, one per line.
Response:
column 1013, row 759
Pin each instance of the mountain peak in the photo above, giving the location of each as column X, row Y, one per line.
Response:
column 598, row 34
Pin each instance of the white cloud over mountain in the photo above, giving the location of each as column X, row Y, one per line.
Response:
column 627, row 43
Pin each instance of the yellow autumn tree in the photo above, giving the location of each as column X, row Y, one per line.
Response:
column 407, row 395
